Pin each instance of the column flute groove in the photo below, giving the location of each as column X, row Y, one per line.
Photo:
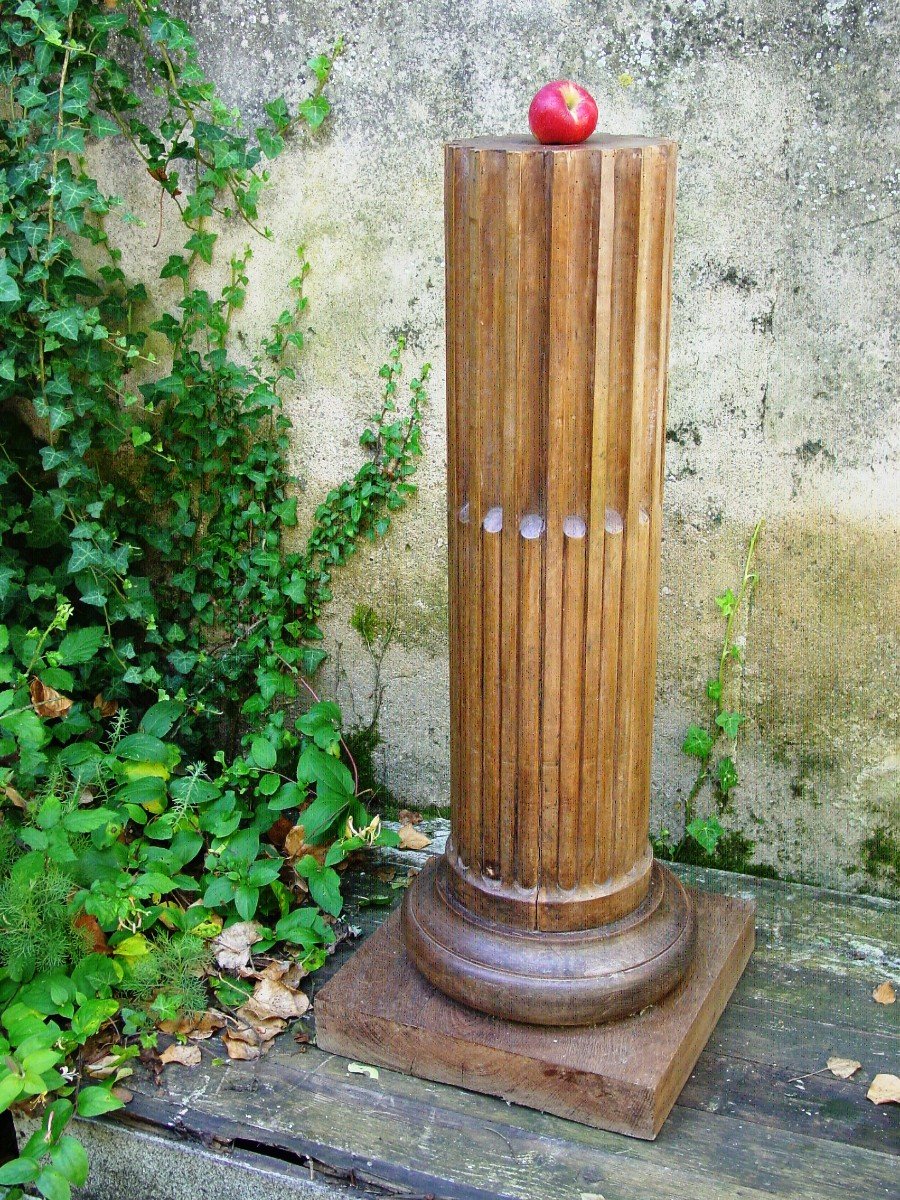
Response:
column 547, row 906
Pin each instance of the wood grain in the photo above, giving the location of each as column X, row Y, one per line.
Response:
column 623, row 1076
column 558, row 284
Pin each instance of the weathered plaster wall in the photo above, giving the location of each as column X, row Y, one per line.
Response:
column 782, row 397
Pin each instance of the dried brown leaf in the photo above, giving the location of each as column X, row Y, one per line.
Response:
column 294, row 841
column 243, row 1051
column 106, row 708
column 93, row 935
column 295, row 972
column 412, row 838
column 185, row 1056
column 102, row 1068
column 296, row 846
column 287, row 970
column 256, row 1026
column 843, row 1068
column 243, row 1032
column 15, row 797
column 197, row 1028
column 47, row 701
column 273, row 998
column 232, row 947
column 884, row 1089
column 275, row 968
column 279, row 831
column 884, row 993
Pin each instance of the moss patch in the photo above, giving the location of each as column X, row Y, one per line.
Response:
column 880, row 854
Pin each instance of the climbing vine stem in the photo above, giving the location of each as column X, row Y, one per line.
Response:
column 703, row 743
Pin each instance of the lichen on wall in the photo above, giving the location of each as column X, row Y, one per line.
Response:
column 782, row 398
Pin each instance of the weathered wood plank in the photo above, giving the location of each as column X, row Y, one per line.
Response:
column 451, row 1143
column 746, row 1125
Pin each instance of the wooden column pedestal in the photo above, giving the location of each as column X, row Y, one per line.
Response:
column 548, row 908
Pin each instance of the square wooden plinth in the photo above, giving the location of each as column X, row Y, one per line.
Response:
column 624, row 1075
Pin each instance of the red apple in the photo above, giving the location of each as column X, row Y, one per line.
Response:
column 562, row 112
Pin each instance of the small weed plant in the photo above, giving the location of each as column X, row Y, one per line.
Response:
column 713, row 745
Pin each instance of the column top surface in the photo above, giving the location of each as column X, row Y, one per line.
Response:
column 519, row 143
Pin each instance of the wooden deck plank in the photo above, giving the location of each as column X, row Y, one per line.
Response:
column 753, row 1119
column 451, row 1143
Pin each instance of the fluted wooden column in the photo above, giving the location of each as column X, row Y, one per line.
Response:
column 548, row 906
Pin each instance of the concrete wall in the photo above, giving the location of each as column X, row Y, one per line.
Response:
column 782, row 373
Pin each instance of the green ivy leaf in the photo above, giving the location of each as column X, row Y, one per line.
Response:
column 9, row 289
column 727, row 602
column 706, row 832
column 66, row 322
column 102, row 126
column 176, row 266
column 729, row 723
column 272, row 144
column 726, row 773
column 202, row 244
column 277, row 112
column 697, row 742
column 320, row 67
column 314, row 110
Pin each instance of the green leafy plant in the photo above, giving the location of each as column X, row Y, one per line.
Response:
column 125, row 863
column 157, row 493
column 154, row 600
column 713, row 745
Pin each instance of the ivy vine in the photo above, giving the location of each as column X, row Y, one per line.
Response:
column 160, row 616
column 155, row 495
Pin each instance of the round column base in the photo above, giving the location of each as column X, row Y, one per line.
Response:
column 582, row 977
